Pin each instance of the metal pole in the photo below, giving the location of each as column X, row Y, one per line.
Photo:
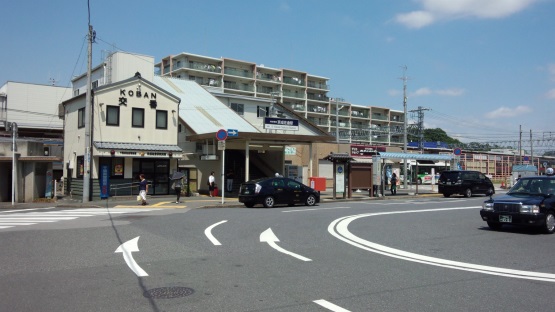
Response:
column 88, row 113
column 14, row 131
column 337, row 122
column 405, row 126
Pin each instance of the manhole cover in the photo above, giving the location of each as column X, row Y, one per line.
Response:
column 168, row 292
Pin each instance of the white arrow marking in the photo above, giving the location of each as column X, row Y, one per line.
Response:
column 269, row 237
column 208, row 233
column 330, row 306
column 127, row 248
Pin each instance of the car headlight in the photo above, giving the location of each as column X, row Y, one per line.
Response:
column 487, row 206
column 530, row 209
column 257, row 188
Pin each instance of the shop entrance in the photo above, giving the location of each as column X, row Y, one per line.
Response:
column 156, row 171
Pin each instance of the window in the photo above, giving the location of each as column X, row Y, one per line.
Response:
column 138, row 118
column 81, row 118
column 238, row 108
column 80, row 166
column 115, row 165
column 161, row 119
column 112, row 115
column 262, row 111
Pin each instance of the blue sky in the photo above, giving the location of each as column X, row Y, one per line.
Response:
column 482, row 67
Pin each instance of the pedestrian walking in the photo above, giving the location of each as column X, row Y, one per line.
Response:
column 177, row 184
column 143, row 189
column 393, row 184
column 211, row 184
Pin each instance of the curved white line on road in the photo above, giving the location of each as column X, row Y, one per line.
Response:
column 339, row 229
column 208, row 233
column 330, row 306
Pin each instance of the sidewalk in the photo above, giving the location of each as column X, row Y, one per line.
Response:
column 203, row 201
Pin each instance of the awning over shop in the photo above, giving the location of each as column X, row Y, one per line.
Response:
column 390, row 155
column 138, row 146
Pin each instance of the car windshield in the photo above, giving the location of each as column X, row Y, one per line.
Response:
column 533, row 186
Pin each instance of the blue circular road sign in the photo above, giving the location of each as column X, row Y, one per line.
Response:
column 221, row 134
column 457, row 151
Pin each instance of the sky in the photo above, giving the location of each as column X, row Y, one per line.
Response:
column 483, row 70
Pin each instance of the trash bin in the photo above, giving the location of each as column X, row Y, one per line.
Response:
column 215, row 191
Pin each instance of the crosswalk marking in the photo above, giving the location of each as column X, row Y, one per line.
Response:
column 9, row 219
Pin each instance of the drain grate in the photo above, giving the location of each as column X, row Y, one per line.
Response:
column 168, row 292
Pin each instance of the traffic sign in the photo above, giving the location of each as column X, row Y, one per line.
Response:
column 221, row 135
column 232, row 132
column 221, row 145
column 457, row 151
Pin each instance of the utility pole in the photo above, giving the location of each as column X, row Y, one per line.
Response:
column 404, row 78
column 88, row 114
column 420, row 125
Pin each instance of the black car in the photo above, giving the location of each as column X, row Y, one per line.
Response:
column 464, row 182
column 530, row 202
column 278, row 190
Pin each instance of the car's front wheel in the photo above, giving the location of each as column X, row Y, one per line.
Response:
column 549, row 226
column 467, row 193
column 311, row 200
column 269, row 202
column 495, row 226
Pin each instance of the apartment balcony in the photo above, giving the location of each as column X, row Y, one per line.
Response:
column 341, row 113
column 293, row 81
column 359, row 126
column 317, row 85
column 379, row 117
column 318, row 97
column 298, row 95
column 342, row 124
column 298, row 107
column 234, row 86
column 357, row 114
column 268, row 77
column 319, row 121
column 238, row 72
column 317, row 109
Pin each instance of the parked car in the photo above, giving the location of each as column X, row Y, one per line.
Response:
column 464, row 182
column 530, row 202
column 275, row 191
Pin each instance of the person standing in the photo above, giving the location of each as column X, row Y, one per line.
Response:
column 393, row 184
column 143, row 189
column 211, row 184
column 229, row 180
column 177, row 184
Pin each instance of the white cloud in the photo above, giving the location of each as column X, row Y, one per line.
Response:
column 551, row 71
column 393, row 92
column 503, row 112
column 284, row 7
column 421, row 92
column 444, row 92
column 434, row 10
column 450, row 92
column 550, row 94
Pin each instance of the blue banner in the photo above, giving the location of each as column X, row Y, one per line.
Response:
column 104, row 182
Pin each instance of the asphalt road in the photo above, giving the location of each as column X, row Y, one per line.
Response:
column 425, row 254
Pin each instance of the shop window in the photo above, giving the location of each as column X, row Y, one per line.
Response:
column 161, row 119
column 112, row 115
column 81, row 118
column 138, row 118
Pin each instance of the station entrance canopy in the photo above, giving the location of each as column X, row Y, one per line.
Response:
column 389, row 155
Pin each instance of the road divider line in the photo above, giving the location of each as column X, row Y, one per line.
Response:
column 208, row 233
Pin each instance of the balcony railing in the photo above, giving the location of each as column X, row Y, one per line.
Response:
column 358, row 114
column 318, row 97
column 317, row 109
column 317, row 85
column 319, row 121
column 238, row 72
column 341, row 112
column 234, row 86
column 294, row 81
column 379, row 117
column 299, row 95
column 298, row 107
column 268, row 77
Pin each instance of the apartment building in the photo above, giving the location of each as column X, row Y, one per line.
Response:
column 304, row 93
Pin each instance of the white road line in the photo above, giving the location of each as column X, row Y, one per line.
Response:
column 315, row 209
column 339, row 229
column 208, row 233
column 23, row 210
column 5, row 227
column 16, row 223
column 330, row 306
column 38, row 218
column 127, row 249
